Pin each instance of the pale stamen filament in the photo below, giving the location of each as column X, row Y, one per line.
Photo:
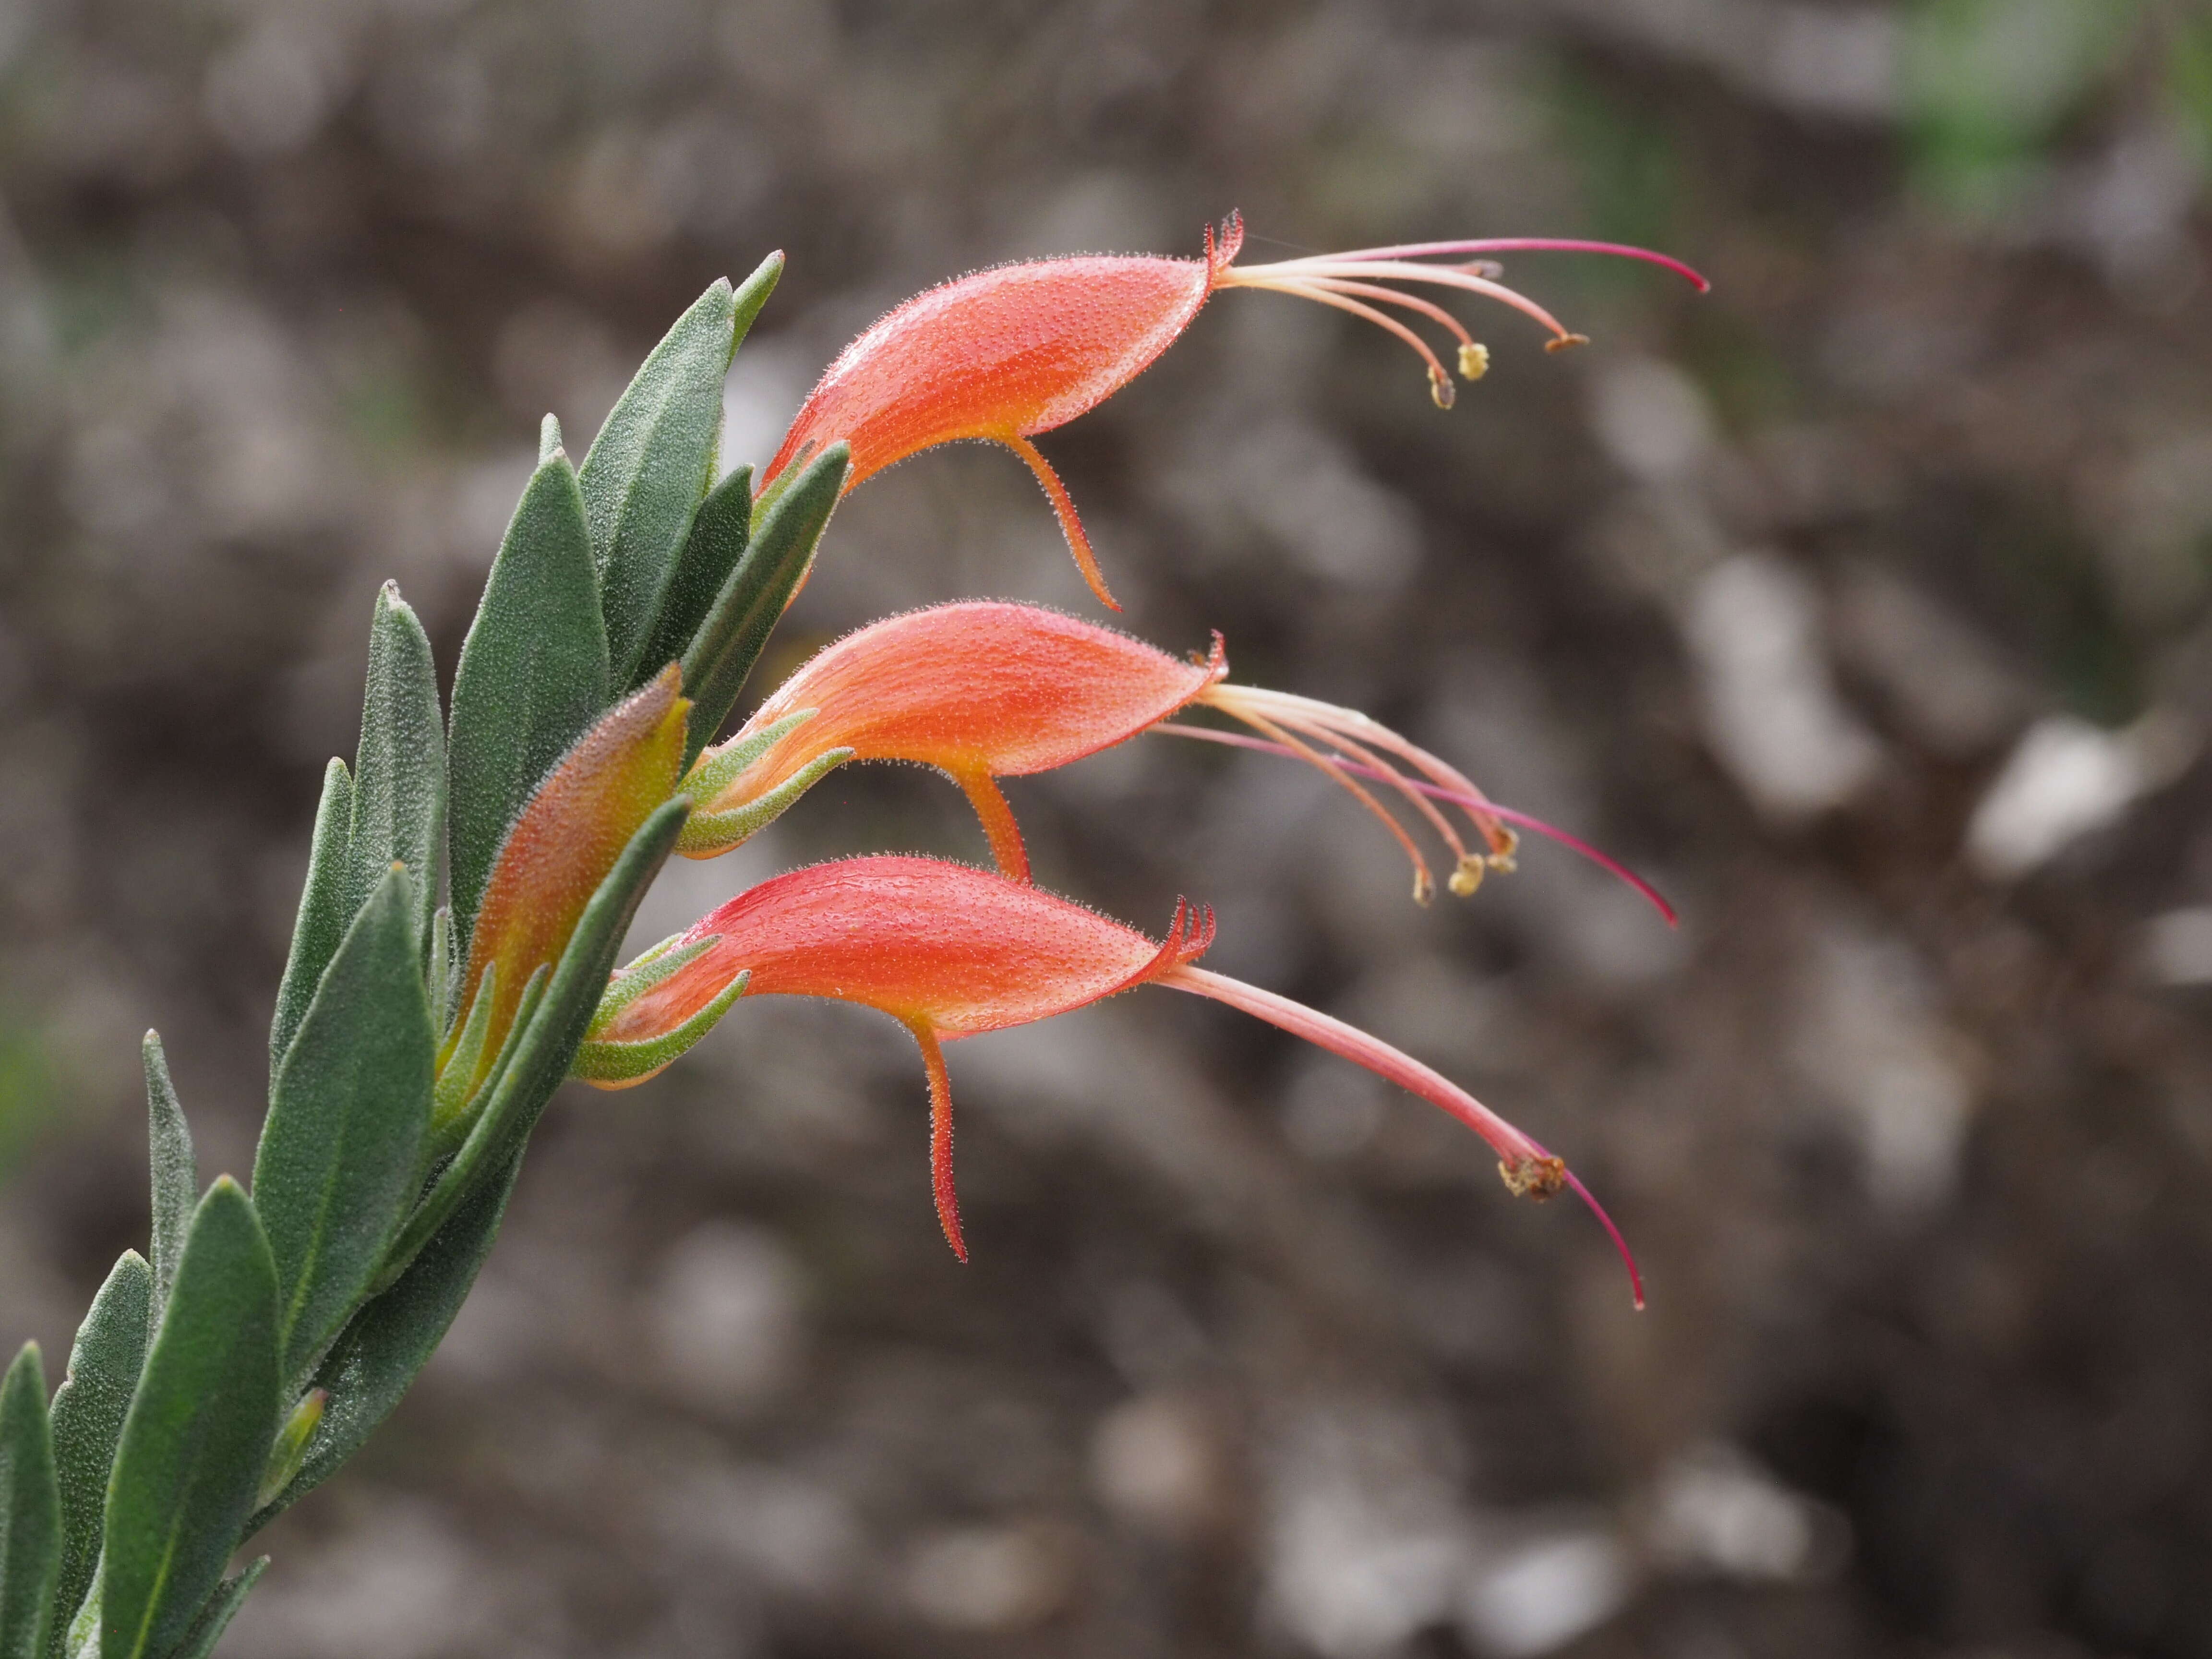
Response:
column 1287, row 707
column 1440, row 384
column 1437, row 275
column 1376, row 765
column 1425, row 884
column 1508, row 245
column 1427, row 308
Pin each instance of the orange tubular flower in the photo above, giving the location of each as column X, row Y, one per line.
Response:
column 1007, row 353
column 988, row 690
column 950, row 951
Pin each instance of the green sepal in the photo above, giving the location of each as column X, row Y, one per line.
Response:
column 221, row 1607
column 651, row 465
column 709, row 833
column 720, row 532
column 326, row 908
column 89, row 1406
column 533, row 675
column 341, row 1152
column 549, row 438
column 450, row 1127
column 630, row 1062
column 369, row 1368
column 718, row 768
column 450, row 1097
column 399, row 771
column 663, row 961
column 30, row 1510
column 728, row 642
column 290, row 1451
column 538, row 1059
column 198, row 1437
column 174, row 1171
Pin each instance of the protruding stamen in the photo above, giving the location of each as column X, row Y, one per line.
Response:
column 1604, row 861
column 1563, row 341
column 1473, row 360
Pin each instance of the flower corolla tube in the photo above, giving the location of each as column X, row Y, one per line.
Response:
column 951, row 951
column 1007, row 353
column 985, row 690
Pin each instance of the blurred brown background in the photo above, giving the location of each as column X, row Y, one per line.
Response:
column 1864, row 605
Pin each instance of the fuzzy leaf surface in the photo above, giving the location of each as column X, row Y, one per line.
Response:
column 728, row 642
column 197, row 1436
column 174, row 1169
column 650, row 465
column 533, row 675
column 371, row 1366
column 89, row 1407
column 399, row 772
column 340, row 1157
column 720, row 531
column 221, row 1607
column 326, row 906
column 30, row 1510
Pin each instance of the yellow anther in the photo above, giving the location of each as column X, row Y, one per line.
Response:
column 1468, row 877
column 1440, row 387
column 1424, row 888
column 1473, row 360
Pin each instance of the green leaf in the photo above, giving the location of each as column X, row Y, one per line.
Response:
column 30, row 1510
column 176, row 1176
column 89, row 1407
column 650, row 465
column 399, row 772
column 720, row 532
column 533, row 675
column 214, row 1618
column 341, row 1151
column 197, row 1436
column 369, row 1368
column 326, row 906
column 727, row 645
column 719, row 529
column 540, row 1057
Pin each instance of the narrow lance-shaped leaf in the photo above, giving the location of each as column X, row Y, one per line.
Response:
column 198, row 1437
column 30, row 1510
column 399, row 772
column 176, row 1176
column 720, row 531
column 728, row 642
column 650, row 465
column 720, row 528
column 340, row 1158
column 371, row 1365
column 221, row 1607
column 533, row 675
column 89, row 1407
column 326, row 908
